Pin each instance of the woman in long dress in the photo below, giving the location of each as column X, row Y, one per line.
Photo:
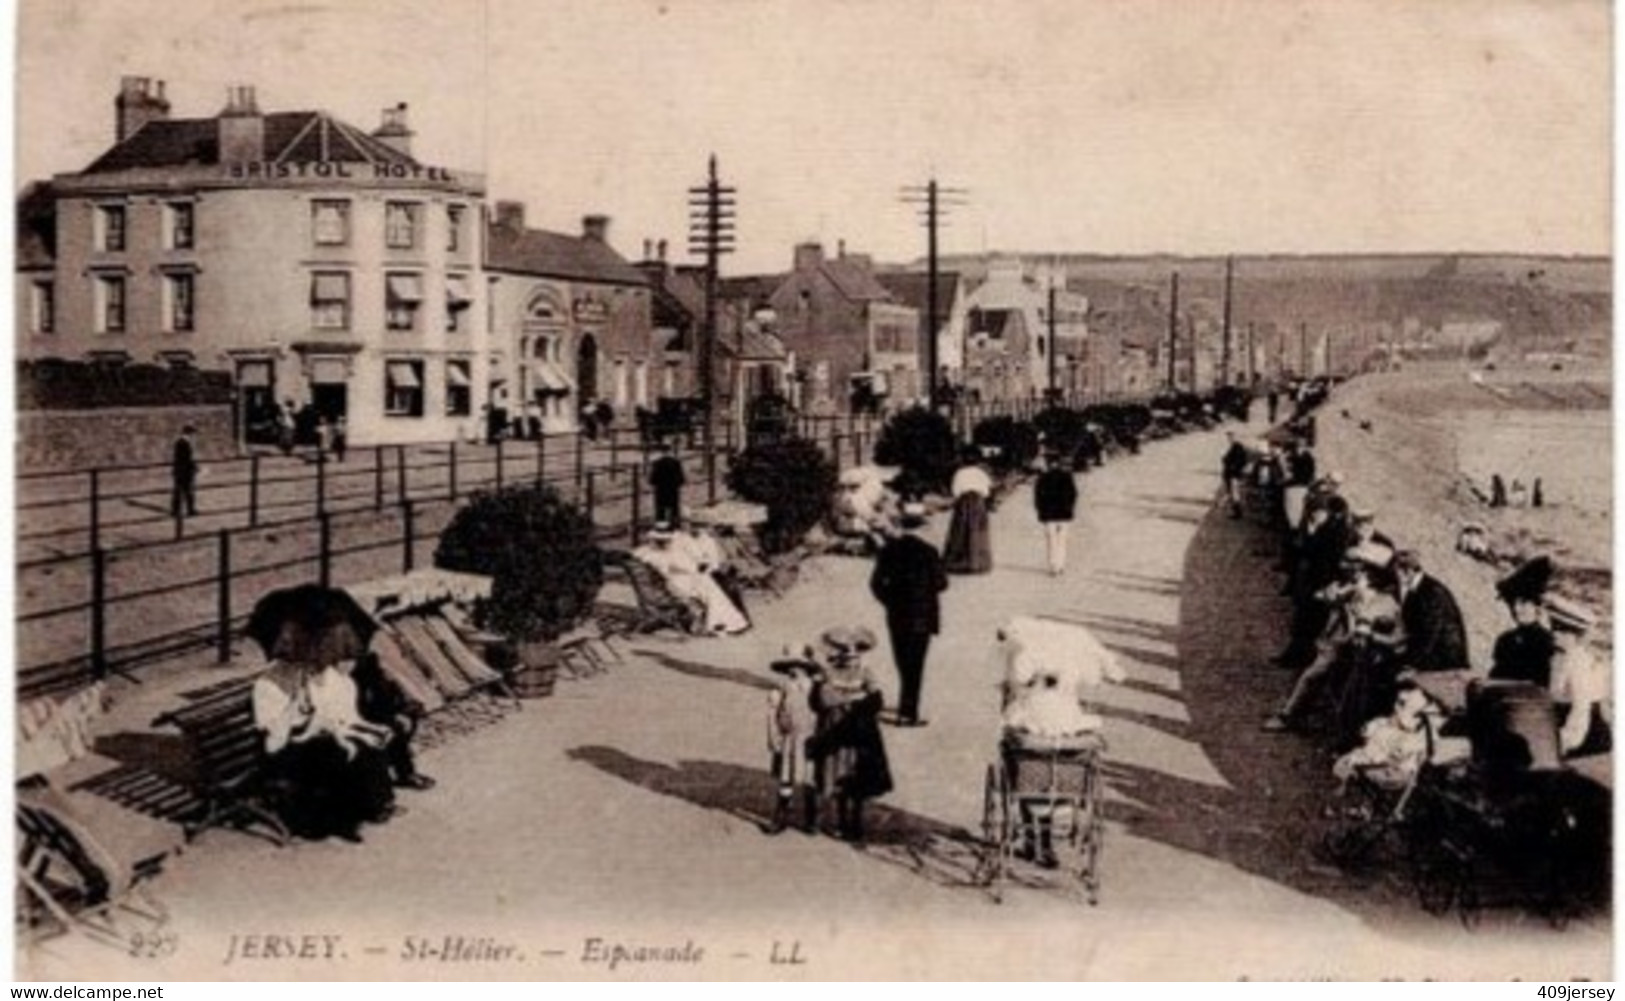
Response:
column 686, row 578
column 969, row 548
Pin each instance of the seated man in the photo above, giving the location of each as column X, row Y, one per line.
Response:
column 1048, row 666
column 380, row 700
column 1361, row 613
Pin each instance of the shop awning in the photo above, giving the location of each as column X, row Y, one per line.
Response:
column 329, row 371
column 457, row 291
column 457, row 374
column 404, row 375
column 553, row 380
column 330, row 288
column 406, row 288
column 254, row 375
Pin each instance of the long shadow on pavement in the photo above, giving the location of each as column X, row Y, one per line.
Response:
column 709, row 672
column 941, row 853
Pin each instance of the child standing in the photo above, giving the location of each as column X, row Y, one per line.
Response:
column 790, row 722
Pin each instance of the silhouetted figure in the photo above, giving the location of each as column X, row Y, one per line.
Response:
column 1498, row 491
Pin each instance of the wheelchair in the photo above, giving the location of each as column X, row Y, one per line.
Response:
column 1049, row 793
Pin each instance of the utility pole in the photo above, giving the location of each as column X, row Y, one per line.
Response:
column 710, row 234
column 934, row 198
column 1052, row 351
column 1173, row 330
column 1303, row 351
column 1252, row 361
column 1224, row 356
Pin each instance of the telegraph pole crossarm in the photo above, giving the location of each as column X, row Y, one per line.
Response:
column 934, row 197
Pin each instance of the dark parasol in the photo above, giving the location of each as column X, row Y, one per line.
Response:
column 311, row 624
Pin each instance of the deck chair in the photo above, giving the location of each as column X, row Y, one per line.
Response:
column 83, row 862
column 417, row 641
column 754, row 572
column 400, row 667
column 477, row 671
column 657, row 608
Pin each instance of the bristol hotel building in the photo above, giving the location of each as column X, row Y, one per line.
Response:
column 316, row 262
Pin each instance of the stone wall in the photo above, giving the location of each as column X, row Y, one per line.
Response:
column 81, row 439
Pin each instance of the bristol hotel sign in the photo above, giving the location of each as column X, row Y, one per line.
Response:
column 331, row 170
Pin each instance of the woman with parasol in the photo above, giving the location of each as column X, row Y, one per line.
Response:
column 325, row 761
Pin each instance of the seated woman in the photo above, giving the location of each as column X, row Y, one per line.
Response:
column 1582, row 683
column 1048, row 667
column 686, row 578
column 705, row 550
column 328, row 762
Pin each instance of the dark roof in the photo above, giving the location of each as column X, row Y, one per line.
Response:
column 910, row 288
column 554, row 255
column 854, row 280
column 292, row 136
column 756, row 290
column 36, row 227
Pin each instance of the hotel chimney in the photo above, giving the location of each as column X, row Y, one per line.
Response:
column 140, row 100
column 595, row 228
column 242, row 127
column 394, row 132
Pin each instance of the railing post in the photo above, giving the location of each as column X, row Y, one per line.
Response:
column 614, row 451
column 95, row 509
column 400, row 473
column 378, row 477
column 711, row 482
column 254, row 490
column 324, row 532
column 499, row 463
column 857, row 450
column 408, row 555
column 541, row 457
column 581, row 456
column 637, row 502
column 592, row 499
column 321, row 482
column 223, row 579
column 451, row 463
column 98, row 613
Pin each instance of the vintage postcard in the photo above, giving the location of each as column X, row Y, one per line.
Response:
column 883, row 489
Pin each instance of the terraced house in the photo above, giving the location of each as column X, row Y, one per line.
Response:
column 313, row 261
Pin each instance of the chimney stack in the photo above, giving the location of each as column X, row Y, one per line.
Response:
column 511, row 216
column 595, row 228
column 648, row 249
column 394, row 132
column 242, row 128
column 660, row 250
column 840, row 248
column 808, row 256
column 140, row 100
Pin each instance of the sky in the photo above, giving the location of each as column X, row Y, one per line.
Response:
column 1182, row 126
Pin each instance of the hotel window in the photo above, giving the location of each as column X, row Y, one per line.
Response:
column 458, row 299
column 454, row 228
column 110, row 304
column 459, row 399
column 330, row 300
column 403, row 388
column 330, row 223
column 403, row 294
column 42, row 308
column 178, row 302
column 110, row 220
column 401, row 225
column 178, row 219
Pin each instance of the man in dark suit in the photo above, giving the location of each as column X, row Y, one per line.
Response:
column 1435, row 635
column 908, row 577
column 183, row 475
column 666, row 479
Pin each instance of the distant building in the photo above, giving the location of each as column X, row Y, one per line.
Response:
column 315, row 262
column 571, row 322
column 1007, row 335
column 912, row 289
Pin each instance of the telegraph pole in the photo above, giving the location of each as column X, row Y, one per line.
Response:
column 1252, row 361
column 1303, row 350
column 1052, row 340
column 1224, row 355
column 710, row 234
column 1173, row 331
column 934, row 198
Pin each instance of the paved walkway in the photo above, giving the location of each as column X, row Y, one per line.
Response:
column 627, row 807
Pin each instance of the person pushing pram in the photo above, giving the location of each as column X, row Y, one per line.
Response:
column 1048, row 667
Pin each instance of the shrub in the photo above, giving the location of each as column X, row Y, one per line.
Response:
column 538, row 550
column 922, row 443
column 793, row 479
column 1016, row 441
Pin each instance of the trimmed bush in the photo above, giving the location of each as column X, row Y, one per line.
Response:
column 538, row 550
column 923, row 444
column 794, row 480
column 1016, row 441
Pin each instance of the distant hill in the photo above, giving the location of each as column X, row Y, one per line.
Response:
column 1496, row 303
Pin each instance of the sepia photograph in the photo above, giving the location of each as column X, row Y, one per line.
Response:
column 759, row 490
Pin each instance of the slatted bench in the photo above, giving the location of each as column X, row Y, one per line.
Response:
column 228, row 751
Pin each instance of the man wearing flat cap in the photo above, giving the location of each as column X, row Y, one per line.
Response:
column 908, row 577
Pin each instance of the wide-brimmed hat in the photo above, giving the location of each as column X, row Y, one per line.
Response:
column 845, row 642
column 1527, row 583
column 795, row 659
column 661, row 532
column 1570, row 615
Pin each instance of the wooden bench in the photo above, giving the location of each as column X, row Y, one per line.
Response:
column 228, row 751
